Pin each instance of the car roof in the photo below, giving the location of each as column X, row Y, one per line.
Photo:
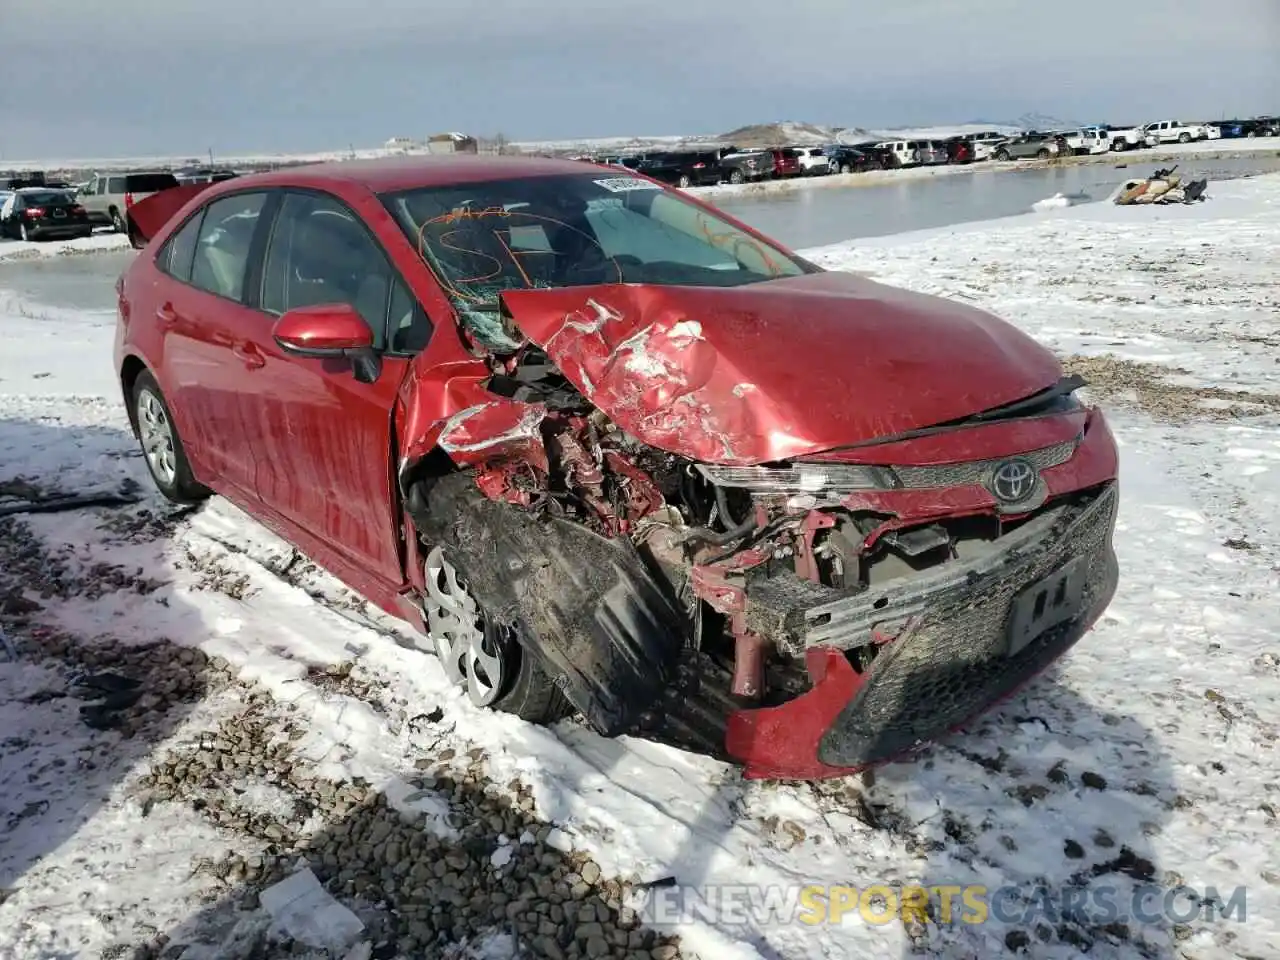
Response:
column 390, row 174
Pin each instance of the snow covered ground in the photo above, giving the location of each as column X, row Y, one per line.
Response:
column 280, row 721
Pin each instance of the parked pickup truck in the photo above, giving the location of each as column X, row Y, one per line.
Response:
column 1125, row 137
column 1174, row 131
column 739, row 166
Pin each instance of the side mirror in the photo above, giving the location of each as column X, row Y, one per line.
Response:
column 330, row 331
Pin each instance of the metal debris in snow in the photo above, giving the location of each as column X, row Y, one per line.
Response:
column 303, row 910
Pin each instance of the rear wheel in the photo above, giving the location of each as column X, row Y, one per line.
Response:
column 1184, row 138
column 1118, row 145
column 1042, row 153
column 117, row 222
column 23, row 232
column 486, row 658
column 1002, row 154
column 161, row 446
column 685, row 181
column 735, row 176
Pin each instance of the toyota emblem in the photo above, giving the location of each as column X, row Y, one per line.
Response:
column 1013, row 480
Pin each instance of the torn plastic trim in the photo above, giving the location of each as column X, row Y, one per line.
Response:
column 589, row 609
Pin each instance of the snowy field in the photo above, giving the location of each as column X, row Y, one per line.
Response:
column 280, row 724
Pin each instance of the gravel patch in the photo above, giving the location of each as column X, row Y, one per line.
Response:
column 1147, row 385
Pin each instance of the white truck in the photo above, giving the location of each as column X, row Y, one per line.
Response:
column 1173, row 131
column 1125, row 138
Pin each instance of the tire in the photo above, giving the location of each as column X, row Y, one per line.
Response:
column 684, row 182
column 845, row 168
column 117, row 222
column 176, row 483
column 24, row 233
column 1118, row 145
column 86, row 234
column 1184, row 138
column 1042, row 154
column 735, row 176
column 1252, row 135
column 524, row 689
column 1002, row 155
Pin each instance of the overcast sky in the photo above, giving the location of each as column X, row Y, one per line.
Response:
column 82, row 78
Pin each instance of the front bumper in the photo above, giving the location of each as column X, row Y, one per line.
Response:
column 948, row 661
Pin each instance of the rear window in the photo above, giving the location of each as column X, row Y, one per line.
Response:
column 149, row 182
column 38, row 197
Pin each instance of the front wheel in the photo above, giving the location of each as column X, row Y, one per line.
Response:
column 486, row 658
column 117, row 222
column 1002, row 155
column 735, row 176
column 161, row 446
column 1118, row 146
column 685, row 181
column 1042, row 154
column 24, row 233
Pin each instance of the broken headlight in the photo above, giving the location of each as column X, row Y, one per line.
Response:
column 834, row 478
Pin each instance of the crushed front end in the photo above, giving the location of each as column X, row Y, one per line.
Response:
column 804, row 608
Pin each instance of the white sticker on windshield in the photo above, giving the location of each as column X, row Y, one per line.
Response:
column 625, row 184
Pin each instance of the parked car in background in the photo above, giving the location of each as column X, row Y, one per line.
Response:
column 1259, row 127
column 984, row 142
column 901, row 153
column 204, row 175
column 1123, row 137
column 1173, row 131
column 17, row 181
column 509, row 474
column 1028, row 146
column 39, row 213
column 1088, row 140
column 786, row 163
column 109, row 196
column 682, row 168
column 813, row 161
column 933, row 153
column 742, row 166
column 847, row 159
column 959, row 150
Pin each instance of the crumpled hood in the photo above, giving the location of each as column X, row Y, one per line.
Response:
column 780, row 369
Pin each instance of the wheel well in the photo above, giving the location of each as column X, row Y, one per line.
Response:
column 416, row 482
column 129, row 372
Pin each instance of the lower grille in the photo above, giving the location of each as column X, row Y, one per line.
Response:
column 955, row 662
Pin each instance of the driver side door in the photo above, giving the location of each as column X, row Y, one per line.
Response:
column 323, row 439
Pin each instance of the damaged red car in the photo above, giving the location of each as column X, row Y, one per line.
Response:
column 617, row 454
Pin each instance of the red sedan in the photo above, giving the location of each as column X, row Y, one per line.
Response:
column 614, row 452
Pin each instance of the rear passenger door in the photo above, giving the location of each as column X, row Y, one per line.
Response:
column 323, row 438
column 208, row 336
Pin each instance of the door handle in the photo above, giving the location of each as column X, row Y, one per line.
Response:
column 249, row 355
column 165, row 314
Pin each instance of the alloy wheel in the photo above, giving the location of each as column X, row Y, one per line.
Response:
column 474, row 651
column 156, row 433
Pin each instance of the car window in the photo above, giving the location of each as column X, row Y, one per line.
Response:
column 115, row 185
column 321, row 253
column 180, row 250
column 410, row 328
column 222, row 249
